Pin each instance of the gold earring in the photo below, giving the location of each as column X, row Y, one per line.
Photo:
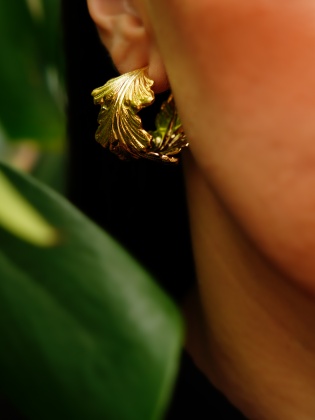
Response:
column 120, row 128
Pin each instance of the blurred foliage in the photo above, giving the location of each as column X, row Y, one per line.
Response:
column 85, row 332
column 31, row 105
column 21, row 219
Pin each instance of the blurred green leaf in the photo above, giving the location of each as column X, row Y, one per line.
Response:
column 21, row 219
column 51, row 170
column 85, row 332
column 31, row 105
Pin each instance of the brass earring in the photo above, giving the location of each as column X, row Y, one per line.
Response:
column 120, row 128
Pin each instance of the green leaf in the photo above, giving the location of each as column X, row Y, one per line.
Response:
column 31, row 105
column 85, row 332
column 21, row 219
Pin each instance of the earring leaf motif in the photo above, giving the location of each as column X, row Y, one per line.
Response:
column 120, row 128
column 169, row 137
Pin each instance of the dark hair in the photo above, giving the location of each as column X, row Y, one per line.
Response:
column 141, row 203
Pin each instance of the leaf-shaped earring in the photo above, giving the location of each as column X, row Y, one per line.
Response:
column 120, row 128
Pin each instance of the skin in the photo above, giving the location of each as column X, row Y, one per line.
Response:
column 246, row 69
column 243, row 76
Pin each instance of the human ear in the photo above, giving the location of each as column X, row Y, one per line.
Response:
column 125, row 32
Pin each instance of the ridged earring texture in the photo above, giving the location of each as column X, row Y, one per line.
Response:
column 120, row 128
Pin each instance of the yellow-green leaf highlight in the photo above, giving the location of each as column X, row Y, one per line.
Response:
column 21, row 219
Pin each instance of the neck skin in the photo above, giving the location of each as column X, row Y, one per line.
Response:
column 250, row 329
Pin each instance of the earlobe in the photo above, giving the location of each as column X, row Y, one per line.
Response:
column 123, row 33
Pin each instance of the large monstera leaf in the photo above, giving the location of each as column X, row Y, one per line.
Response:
column 85, row 332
